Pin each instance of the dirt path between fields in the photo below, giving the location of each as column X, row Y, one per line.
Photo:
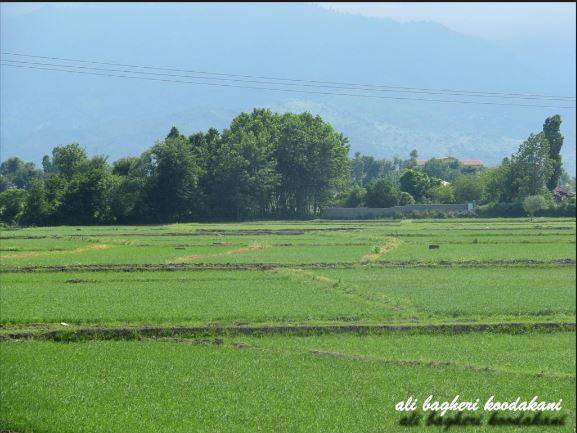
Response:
column 381, row 250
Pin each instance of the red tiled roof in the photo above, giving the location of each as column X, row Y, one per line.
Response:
column 560, row 191
column 471, row 162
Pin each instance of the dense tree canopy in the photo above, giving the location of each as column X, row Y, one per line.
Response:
column 551, row 131
column 265, row 165
column 534, row 170
column 382, row 193
column 416, row 183
column 468, row 188
column 15, row 173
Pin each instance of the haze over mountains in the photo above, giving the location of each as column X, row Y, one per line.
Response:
column 118, row 117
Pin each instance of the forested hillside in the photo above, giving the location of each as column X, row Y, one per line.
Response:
column 114, row 116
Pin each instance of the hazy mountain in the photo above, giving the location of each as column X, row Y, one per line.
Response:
column 114, row 116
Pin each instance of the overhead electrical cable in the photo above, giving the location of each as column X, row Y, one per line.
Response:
column 348, row 86
column 113, row 73
column 60, row 65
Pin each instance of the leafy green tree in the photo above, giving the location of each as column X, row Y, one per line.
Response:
column 413, row 158
column 37, row 209
column 53, row 191
column 247, row 167
column 382, row 193
column 444, row 194
column 88, row 194
column 174, row 133
column 173, row 181
column 498, row 183
column 532, row 170
column 531, row 167
column 67, row 160
column 406, row 199
column 208, row 148
column 365, row 169
column 416, row 183
column 534, row 203
column 47, row 165
column 446, row 169
column 16, row 173
column 125, row 166
column 312, row 162
column 468, row 188
column 551, row 131
column 356, row 196
column 358, row 169
column 129, row 180
column 12, row 204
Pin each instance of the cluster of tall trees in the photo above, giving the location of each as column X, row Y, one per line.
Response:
column 535, row 170
column 386, row 183
column 366, row 169
column 265, row 165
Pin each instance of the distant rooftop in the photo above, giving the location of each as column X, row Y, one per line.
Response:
column 472, row 162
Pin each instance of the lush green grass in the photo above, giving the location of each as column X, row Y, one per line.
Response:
column 467, row 292
column 531, row 353
column 173, row 387
column 468, row 224
column 168, row 297
column 363, row 294
column 479, row 240
column 259, row 250
column 482, row 252
column 333, row 382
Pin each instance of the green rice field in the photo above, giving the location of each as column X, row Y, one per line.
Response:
column 293, row 326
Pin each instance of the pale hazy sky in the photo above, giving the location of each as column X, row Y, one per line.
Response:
column 498, row 22
column 492, row 21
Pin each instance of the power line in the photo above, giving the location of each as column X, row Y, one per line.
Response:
column 242, row 80
column 3, row 63
column 356, row 86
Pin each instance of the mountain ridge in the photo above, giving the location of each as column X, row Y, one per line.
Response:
column 42, row 109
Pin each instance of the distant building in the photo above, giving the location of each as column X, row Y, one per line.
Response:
column 561, row 194
column 471, row 162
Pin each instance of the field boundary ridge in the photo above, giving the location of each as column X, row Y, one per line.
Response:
column 137, row 333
